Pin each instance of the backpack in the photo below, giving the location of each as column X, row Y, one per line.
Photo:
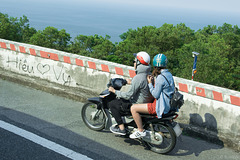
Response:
column 176, row 101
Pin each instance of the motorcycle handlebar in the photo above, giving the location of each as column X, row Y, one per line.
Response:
column 117, row 83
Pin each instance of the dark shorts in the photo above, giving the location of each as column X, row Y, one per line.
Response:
column 152, row 107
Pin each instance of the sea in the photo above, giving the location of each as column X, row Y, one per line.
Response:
column 101, row 18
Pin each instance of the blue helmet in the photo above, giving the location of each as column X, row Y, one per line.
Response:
column 160, row 60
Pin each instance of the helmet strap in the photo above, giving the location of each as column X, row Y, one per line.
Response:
column 137, row 63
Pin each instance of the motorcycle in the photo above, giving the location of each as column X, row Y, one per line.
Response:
column 161, row 134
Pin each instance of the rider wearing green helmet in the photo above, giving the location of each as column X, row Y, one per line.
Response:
column 160, row 60
column 161, row 91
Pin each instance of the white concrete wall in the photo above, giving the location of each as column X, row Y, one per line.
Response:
column 59, row 67
column 213, row 110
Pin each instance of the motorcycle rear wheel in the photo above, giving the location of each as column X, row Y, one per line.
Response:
column 168, row 139
column 92, row 117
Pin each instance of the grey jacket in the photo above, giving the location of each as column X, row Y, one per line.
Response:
column 139, row 90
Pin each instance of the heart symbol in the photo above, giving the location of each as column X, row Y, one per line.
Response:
column 43, row 68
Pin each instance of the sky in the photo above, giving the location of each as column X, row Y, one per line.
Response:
column 204, row 5
column 228, row 6
column 114, row 17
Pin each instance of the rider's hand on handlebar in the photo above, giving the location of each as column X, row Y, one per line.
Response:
column 111, row 89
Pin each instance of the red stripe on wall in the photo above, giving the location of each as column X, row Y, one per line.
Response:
column 132, row 73
column 235, row 100
column 45, row 54
column 54, row 56
column 217, row 96
column 32, row 51
column 22, row 49
column 12, row 46
column 183, row 87
column 105, row 68
column 79, row 62
column 92, row 65
column 67, row 59
column 3, row 45
column 119, row 71
column 200, row 92
column 49, row 55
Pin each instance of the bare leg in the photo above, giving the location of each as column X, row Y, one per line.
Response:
column 136, row 109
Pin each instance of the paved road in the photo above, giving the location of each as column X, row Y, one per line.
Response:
column 15, row 147
column 58, row 120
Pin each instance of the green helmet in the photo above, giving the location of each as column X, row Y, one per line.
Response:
column 160, row 60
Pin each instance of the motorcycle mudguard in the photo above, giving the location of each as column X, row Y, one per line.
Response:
column 95, row 100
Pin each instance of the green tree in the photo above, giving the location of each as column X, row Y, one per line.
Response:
column 103, row 48
column 52, row 38
column 93, row 46
column 13, row 29
column 153, row 40
column 26, row 32
column 213, row 66
column 209, row 30
column 231, row 35
column 8, row 28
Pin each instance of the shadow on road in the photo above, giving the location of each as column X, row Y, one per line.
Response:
column 60, row 136
column 190, row 142
column 187, row 145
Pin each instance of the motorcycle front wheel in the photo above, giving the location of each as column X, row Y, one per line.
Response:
column 93, row 117
column 166, row 137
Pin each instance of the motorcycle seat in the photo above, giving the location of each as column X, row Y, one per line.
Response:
column 169, row 114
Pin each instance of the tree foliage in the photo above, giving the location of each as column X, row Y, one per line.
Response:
column 93, row 46
column 219, row 47
column 15, row 29
column 50, row 37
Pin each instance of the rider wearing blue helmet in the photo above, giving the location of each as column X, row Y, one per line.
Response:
column 160, row 91
column 160, row 60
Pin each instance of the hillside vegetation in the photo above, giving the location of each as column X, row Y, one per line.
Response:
column 219, row 47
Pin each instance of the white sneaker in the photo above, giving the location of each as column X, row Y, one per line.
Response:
column 137, row 134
